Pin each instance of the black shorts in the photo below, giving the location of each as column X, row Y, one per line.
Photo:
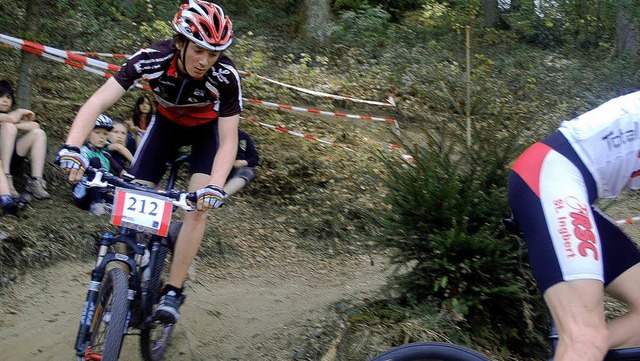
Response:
column 551, row 194
column 162, row 141
column 246, row 173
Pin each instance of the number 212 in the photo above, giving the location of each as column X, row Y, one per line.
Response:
column 132, row 207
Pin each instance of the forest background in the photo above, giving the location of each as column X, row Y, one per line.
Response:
column 474, row 83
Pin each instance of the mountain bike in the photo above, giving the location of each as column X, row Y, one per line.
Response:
column 440, row 351
column 128, row 277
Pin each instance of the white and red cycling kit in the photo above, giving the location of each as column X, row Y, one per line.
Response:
column 187, row 109
column 555, row 182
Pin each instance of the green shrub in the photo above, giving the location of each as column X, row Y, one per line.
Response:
column 445, row 226
column 366, row 27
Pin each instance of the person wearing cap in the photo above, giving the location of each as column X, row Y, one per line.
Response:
column 198, row 101
column 97, row 200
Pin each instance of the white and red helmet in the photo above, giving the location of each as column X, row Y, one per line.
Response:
column 205, row 24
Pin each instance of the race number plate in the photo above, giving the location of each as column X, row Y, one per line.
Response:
column 142, row 211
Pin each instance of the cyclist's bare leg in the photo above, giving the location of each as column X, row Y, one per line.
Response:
column 34, row 143
column 8, row 134
column 190, row 236
column 624, row 331
column 577, row 308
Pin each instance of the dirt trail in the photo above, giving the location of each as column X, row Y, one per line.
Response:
column 256, row 312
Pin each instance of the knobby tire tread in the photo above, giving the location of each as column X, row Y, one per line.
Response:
column 430, row 351
column 147, row 344
column 116, row 283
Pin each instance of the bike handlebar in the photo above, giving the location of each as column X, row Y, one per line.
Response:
column 101, row 178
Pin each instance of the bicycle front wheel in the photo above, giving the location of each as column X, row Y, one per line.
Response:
column 430, row 351
column 110, row 317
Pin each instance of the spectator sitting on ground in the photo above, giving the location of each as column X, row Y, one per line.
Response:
column 97, row 200
column 118, row 145
column 14, row 149
column 243, row 171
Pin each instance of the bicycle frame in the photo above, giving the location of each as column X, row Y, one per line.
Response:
column 132, row 265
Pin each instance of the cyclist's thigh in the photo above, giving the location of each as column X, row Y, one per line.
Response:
column 626, row 287
column 204, row 141
column 198, row 180
column 553, row 211
column 624, row 331
column 577, row 306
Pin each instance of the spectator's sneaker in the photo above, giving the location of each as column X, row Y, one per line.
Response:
column 38, row 187
column 12, row 189
column 11, row 205
column 99, row 209
column 167, row 311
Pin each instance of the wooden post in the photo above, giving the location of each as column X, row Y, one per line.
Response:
column 468, row 101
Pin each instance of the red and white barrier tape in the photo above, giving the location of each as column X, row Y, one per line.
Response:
column 322, row 112
column 74, row 64
column 61, row 60
column 105, row 55
column 40, row 49
column 81, row 62
column 390, row 101
column 406, row 157
column 60, row 55
column 280, row 129
column 627, row 220
column 82, row 57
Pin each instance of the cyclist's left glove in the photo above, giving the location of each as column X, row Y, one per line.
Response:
column 213, row 195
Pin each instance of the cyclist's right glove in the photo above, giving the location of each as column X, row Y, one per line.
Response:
column 69, row 157
column 213, row 195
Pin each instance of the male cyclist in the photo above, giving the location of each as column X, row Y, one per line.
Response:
column 577, row 253
column 198, row 101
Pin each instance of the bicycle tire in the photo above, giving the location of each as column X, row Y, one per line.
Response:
column 430, row 351
column 110, row 316
column 154, row 337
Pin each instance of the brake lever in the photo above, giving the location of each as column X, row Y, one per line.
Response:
column 182, row 203
column 96, row 181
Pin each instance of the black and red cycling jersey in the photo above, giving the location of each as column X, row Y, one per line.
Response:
column 186, row 101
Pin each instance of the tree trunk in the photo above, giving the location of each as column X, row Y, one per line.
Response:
column 317, row 19
column 33, row 20
column 627, row 32
column 490, row 13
